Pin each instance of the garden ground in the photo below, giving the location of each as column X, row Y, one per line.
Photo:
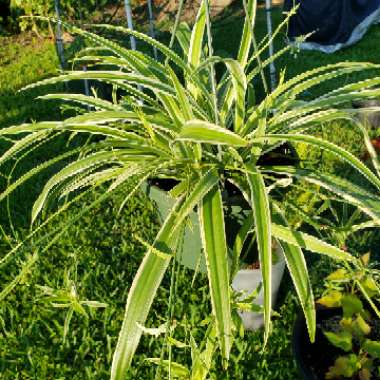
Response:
column 98, row 257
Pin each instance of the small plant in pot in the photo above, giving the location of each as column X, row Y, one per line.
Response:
column 248, row 280
column 175, row 119
column 347, row 342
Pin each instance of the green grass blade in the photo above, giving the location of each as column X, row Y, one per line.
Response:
column 211, row 218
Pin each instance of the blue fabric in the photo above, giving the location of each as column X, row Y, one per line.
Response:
column 332, row 21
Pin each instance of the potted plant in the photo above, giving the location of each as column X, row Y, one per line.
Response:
column 175, row 120
column 235, row 208
column 347, row 341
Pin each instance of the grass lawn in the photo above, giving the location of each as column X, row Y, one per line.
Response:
column 22, row 61
column 98, row 256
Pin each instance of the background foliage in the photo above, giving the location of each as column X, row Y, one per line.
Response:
column 11, row 10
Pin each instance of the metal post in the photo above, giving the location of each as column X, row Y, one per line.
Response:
column 86, row 86
column 128, row 12
column 58, row 36
column 272, row 67
column 151, row 26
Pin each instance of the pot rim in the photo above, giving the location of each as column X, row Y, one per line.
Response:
column 281, row 260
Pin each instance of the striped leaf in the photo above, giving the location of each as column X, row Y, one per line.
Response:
column 30, row 127
column 242, row 57
column 117, row 49
column 296, row 264
column 201, row 131
column 105, row 117
column 303, row 240
column 330, row 147
column 84, row 100
column 304, row 108
column 239, row 86
column 251, row 76
column 183, row 36
column 285, row 93
column 22, row 144
column 297, row 122
column 141, row 296
column 69, row 171
column 343, row 188
column 115, row 76
column 37, row 170
column 202, row 360
column 197, row 34
column 203, row 185
column 183, row 100
column 169, row 53
column 195, row 47
column 211, row 219
column 246, row 39
column 178, row 371
column 262, row 222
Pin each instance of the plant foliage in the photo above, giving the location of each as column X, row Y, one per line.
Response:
column 355, row 335
column 178, row 120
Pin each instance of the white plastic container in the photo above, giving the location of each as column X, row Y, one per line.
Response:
column 191, row 256
column 247, row 281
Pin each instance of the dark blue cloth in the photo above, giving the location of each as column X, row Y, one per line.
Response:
column 332, row 21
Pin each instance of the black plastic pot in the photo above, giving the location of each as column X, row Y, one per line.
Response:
column 313, row 359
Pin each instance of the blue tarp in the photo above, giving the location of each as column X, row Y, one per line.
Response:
column 334, row 23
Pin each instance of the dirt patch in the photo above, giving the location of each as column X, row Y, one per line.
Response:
column 164, row 9
column 191, row 8
column 169, row 7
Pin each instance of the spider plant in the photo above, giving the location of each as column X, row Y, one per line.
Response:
column 177, row 119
